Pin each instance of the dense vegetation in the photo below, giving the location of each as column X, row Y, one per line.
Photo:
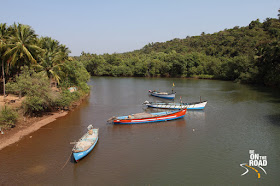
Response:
column 248, row 54
column 39, row 69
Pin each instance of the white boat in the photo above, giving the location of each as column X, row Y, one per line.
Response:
column 190, row 106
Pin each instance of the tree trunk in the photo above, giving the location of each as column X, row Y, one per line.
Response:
column 3, row 74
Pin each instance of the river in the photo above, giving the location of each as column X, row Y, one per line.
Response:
column 205, row 147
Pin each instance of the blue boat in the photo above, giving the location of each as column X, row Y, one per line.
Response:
column 164, row 95
column 85, row 144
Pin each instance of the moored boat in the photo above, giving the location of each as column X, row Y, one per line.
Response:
column 85, row 144
column 164, row 95
column 190, row 106
column 149, row 117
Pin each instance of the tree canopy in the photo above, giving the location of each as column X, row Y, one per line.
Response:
column 247, row 54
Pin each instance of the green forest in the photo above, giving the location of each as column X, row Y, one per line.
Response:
column 39, row 71
column 249, row 54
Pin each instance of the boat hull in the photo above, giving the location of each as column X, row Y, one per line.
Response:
column 168, row 96
column 79, row 155
column 189, row 106
column 168, row 117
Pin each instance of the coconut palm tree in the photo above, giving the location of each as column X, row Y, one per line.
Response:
column 4, row 34
column 22, row 46
column 53, row 57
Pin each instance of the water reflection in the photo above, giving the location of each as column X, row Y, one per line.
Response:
column 198, row 114
column 274, row 119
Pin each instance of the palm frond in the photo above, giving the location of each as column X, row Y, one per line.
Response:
column 28, row 54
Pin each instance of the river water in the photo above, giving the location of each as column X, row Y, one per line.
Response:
column 205, row 147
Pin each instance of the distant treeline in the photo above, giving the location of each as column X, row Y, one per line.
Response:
column 248, row 54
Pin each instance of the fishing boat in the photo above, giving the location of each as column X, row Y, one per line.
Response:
column 164, row 95
column 190, row 106
column 148, row 117
column 85, row 143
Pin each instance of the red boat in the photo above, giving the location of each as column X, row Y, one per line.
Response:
column 149, row 117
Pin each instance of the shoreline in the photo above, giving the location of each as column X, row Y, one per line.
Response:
column 14, row 136
column 33, row 124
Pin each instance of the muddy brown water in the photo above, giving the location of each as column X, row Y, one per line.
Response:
column 205, row 147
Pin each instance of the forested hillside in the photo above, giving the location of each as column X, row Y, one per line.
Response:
column 246, row 54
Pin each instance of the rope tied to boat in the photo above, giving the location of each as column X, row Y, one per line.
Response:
column 66, row 161
column 111, row 119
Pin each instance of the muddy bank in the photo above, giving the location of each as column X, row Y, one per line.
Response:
column 32, row 124
column 12, row 136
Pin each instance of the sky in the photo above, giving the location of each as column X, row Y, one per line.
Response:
column 118, row 26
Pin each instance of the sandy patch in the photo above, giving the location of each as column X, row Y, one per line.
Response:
column 11, row 100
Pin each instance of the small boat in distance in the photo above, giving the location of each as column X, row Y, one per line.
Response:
column 190, row 106
column 85, row 144
column 148, row 117
column 164, row 95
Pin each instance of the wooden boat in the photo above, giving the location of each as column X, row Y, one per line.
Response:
column 164, row 95
column 149, row 117
column 85, row 143
column 190, row 106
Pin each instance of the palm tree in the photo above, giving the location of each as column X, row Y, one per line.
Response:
column 4, row 34
column 22, row 46
column 53, row 58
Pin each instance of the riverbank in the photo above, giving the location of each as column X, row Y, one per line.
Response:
column 28, row 125
column 24, row 128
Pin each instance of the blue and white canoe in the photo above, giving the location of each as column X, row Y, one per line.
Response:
column 190, row 106
column 164, row 95
column 85, row 144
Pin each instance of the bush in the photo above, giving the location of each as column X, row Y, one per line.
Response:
column 36, row 87
column 65, row 99
column 75, row 74
column 203, row 76
column 34, row 105
column 8, row 117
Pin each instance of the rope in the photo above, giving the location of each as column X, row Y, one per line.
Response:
column 66, row 161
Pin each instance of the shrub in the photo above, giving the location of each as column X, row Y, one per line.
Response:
column 64, row 100
column 75, row 74
column 36, row 87
column 203, row 76
column 34, row 105
column 8, row 117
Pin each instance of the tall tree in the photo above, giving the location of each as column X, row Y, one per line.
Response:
column 53, row 58
column 22, row 47
column 3, row 47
